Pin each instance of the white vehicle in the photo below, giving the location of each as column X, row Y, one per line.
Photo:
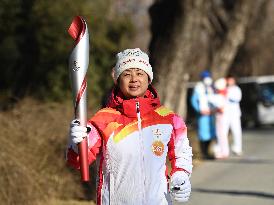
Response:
column 257, row 103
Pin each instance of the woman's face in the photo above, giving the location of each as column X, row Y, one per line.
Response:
column 133, row 82
column 230, row 81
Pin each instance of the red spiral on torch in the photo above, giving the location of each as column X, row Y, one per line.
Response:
column 77, row 30
column 80, row 93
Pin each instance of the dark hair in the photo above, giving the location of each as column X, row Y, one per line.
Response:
column 230, row 75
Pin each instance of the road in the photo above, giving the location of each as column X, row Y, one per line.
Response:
column 245, row 180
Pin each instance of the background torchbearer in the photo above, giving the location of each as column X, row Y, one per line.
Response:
column 78, row 65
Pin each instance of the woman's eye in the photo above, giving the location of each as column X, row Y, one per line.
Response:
column 140, row 74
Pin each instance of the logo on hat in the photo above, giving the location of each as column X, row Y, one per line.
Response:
column 132, row 58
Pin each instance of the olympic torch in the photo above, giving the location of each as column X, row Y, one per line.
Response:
column 78, row 65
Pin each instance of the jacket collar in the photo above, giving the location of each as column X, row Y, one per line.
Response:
column 128, row 106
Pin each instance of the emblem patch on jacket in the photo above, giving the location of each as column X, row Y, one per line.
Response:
column 157, row 146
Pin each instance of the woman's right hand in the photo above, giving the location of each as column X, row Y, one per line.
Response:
column 77, row 132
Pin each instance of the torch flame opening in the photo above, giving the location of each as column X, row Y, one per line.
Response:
column 77, row 28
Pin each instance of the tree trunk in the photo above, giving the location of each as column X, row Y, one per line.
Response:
column 189, row 36
column 224, row 55
column 177, row 60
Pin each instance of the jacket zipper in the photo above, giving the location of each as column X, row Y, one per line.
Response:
column 141, row 144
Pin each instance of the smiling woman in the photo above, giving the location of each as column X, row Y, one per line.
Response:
column 133, row 82
column 131, row 139
column 132, row 72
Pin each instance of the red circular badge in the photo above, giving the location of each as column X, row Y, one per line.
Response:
column 157, row 148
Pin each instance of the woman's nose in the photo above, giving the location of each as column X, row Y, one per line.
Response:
column 133, row 77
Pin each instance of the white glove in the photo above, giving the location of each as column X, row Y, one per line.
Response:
column 180, row 186
column 77, row 132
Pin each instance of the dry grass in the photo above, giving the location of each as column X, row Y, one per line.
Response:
column 67, row 202
column 32, row 167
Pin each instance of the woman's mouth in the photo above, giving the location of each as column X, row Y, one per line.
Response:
column 134, row 87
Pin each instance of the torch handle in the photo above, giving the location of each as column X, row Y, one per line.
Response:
column 81, row 114
column 83, row 153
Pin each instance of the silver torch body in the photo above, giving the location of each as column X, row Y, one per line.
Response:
column 78, row 66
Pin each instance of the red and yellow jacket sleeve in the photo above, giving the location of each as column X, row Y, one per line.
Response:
column 94, row 144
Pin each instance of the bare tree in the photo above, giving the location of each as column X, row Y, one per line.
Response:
column 256, row 55
column 233, row 35
column 177, row 54
column 195, row 35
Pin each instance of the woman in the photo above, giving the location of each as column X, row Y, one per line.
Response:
column 131, row 138
column 205, row 113
column 221, row 149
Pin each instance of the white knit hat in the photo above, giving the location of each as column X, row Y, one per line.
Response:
column 220, row 84
column 132, row 58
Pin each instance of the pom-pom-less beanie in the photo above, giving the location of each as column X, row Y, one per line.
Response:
column 132, row 58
